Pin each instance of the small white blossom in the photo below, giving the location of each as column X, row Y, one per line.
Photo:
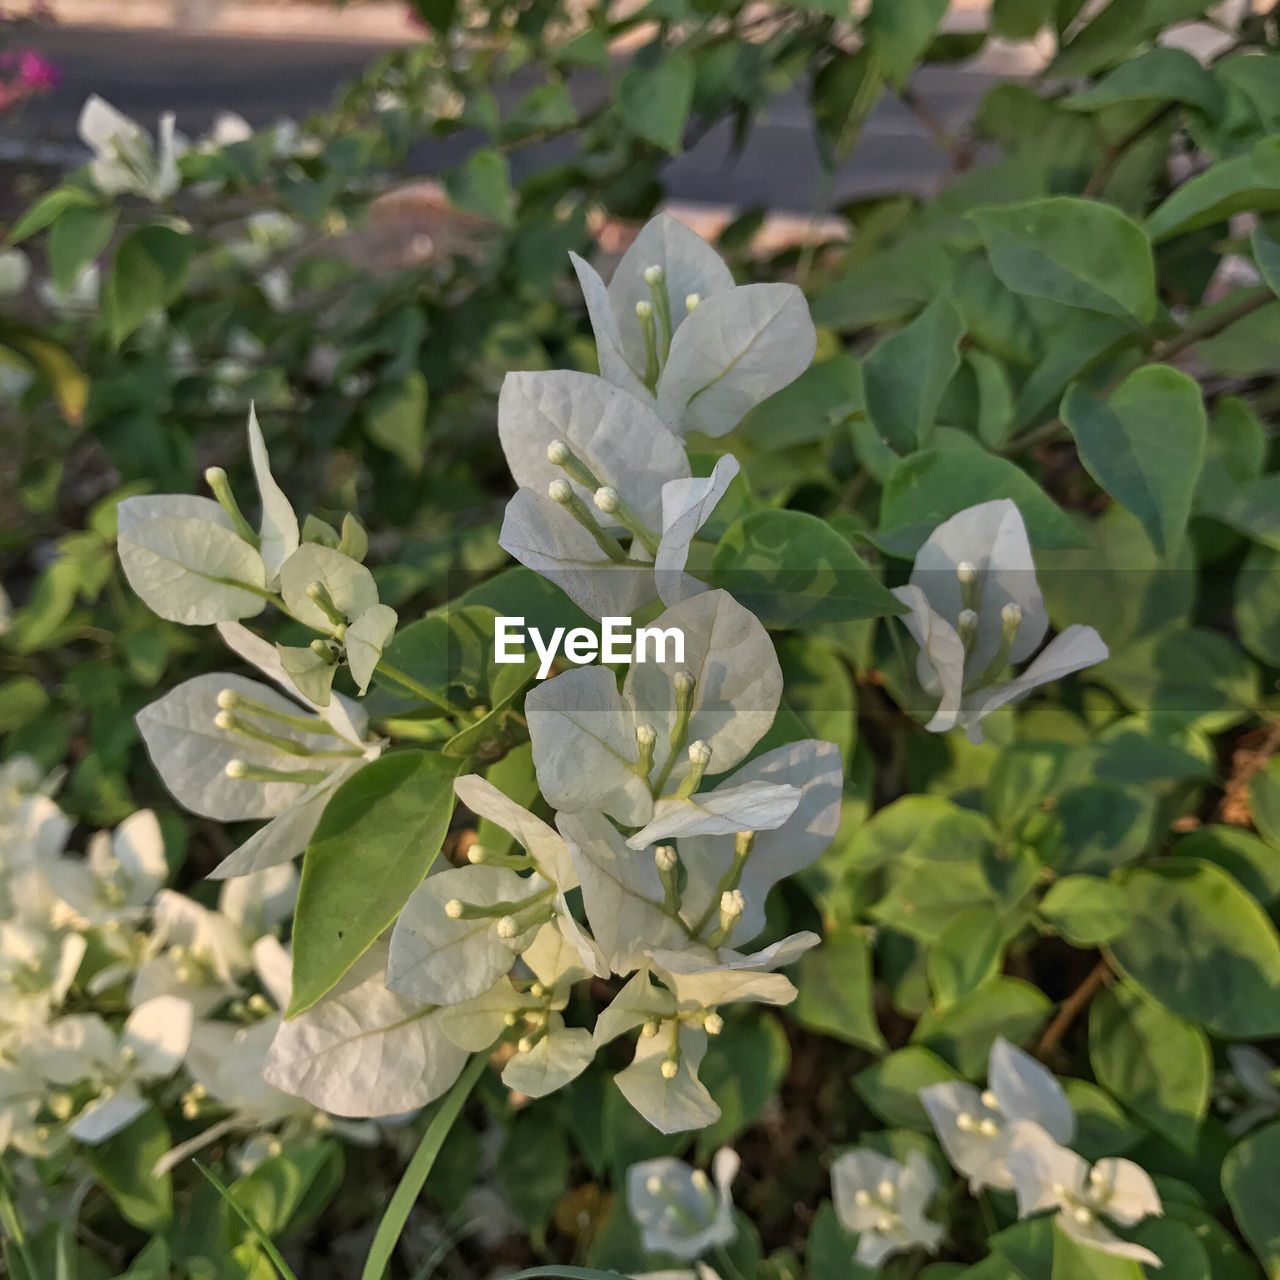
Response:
column 976, row 1128
column 885, row 1203
column 975, row 609
column 681, row 1211
column 125, row 158
column 1050, row 1178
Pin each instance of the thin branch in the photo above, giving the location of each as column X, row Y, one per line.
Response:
column 1072, row 1007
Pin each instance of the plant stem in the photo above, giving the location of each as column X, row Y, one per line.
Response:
column 406, row 1194
column 1071, row 1008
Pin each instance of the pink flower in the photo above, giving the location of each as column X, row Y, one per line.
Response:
column 36, row 72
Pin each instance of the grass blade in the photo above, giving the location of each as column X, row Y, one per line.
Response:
column 406, row 1194
column 263, row 1240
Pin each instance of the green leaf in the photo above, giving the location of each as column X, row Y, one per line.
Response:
column 396, row 418
column 1250, row 182
column 1074, row 1260
column 834, row 982
column 1153, row 1062
column 1020, row 19
column 654, row 101
column 790, row 568
column 891, row 1087
column 1266, row 255
column 743, row 1069
column 123, row 1166
column 393, row 1220
column 149, row 272
column 962, row 1035
column 842, row 96
column 900, row 31
column 1085, row 910
column 1264, row 801
column 1144, row 446
column 482, row 185
column 46, row 211
column 1202, row 947
column 1250, row 1175
column 78, row 236
column 965, row 955
column 377, row 838
column 1163, row 75
column 907, row 373
column 1076, row 252
column 260, row 1237
column 929, row 487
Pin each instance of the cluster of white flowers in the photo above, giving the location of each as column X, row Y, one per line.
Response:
column 193, row 991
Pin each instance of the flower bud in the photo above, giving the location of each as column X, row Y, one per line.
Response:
column 225, row 721
column 607, row 499
column 691, row 301
column 236, row 769
column 537, row 991
column 476, row 854
column 525, row 1043
column 699, row 754
column 228, row 699
column 967, row 573
column 990, row 1101
column 654, row 275
column 454, row 908
column 732, row 904
column 560, row 491
column 683, row 682
column 646, row 735
column 649, row 1030
column 862, row 1197
column 214, row 477
column 887, row 1192
column 644, row 310
column 700, row 1180
column 666, row 857
column 653, row 1184
column 557, row 453
column 508, row 928
column 670, row 1068
column 713, row 1024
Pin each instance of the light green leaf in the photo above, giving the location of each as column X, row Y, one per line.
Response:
column 1144, row 446
column 906, row 374
column 482, row 185
column 1246, row 182
column 377, row 838
column 1077, row 252
column 900, row 31
column 149, row 272
column 835, row 985
column 1264, row 801
column 654, row 101
column 790, row 568
column 1152, row 1061
column 965, row 955
column 1205, row 949
column 891, row 1087
column 395, row 417
column 123, row 1167
column 1085, row 910
column 1162, row 75
column 1250, row 1175
column 962, row 1035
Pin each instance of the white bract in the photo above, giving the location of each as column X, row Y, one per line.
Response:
column 122, row 872
column 1050, row 1178
column 975, row 609
column 82, row 1048
column 977, row 1128
column 674, row 329
column 125, row 157
column 680, row 1210
column 606, row 508
column 885, row 1202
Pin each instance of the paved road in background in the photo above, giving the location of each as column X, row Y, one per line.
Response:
column 144, row 72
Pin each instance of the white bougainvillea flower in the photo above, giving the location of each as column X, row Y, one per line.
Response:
column 33, row 829
column 680, row 1210
column 975, row 609
column 38, row 963
column 365, row 1050
column 286, row 756
column 1258, row 1079
column 597, row 749
column 662, row 1081
column 1050, row 1178
column 714, row 863
column 548, row 1054
column 702, row 979
column 728, row 809
column 125, row 158
column 673, row 327
column 885, row 1203
column 83, row 1050
column 605, row 493
column 461, row 930
column 22, row 1097
column 976, row 1128
column 201, row 955
column 122, row 872
column 199, row 561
